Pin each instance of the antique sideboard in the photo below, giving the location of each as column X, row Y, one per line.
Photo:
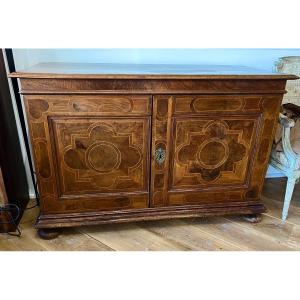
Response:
column 118, row 143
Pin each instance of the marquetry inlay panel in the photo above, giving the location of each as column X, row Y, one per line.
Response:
column 89, row 104
column 231, row 104
column 210, row 142
column 90, row 151
column 212, row 152
column 101, row 154
column 161, row 134
column 221, row 155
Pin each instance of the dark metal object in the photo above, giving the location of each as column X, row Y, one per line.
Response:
column 11, row 159
column 12, row 68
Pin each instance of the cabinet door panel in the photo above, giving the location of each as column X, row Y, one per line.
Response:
column 101, row 155
column 216, row 147
column 212, row 152
column 87, row 157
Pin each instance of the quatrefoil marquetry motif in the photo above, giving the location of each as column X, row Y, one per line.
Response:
column 102, row 158
column 214, row 150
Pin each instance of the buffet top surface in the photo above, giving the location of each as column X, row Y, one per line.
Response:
column 145, row 71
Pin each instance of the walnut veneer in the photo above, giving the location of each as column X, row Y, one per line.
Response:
column 114, row 143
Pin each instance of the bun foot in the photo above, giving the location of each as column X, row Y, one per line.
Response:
column 48, row 233
column 252, row 218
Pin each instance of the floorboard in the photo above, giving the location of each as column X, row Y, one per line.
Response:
column 230, row 233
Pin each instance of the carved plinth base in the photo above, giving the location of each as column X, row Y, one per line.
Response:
column 49, row 233
column 252, row 208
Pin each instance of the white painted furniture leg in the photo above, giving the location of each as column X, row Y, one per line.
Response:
column 287, row 163
column 288, row 196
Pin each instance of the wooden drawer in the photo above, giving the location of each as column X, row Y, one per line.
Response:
column 102, row 105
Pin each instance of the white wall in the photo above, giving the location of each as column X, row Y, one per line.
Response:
column 257, row 58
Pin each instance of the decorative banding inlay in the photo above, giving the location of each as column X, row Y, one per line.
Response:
column 102, row 104
column 263, row 151
column 217, row 104
column 42, row 157
column 37, row 107
column 103, row 157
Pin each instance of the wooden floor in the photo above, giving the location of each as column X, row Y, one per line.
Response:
column 222, row 233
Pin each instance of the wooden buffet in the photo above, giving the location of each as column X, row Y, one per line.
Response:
column 118, row 143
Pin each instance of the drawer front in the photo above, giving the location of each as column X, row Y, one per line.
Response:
column 91, row 153
column 215, row 148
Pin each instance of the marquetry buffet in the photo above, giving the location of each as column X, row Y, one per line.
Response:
column 119, row 143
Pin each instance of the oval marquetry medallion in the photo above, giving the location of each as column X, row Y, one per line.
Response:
column 103, row 157
column 217, row 104
column 213, row 153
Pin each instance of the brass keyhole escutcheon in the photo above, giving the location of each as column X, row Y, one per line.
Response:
column 160, row 155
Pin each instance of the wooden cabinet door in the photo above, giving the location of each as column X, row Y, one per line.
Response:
column 211, row 149
column 91, row 152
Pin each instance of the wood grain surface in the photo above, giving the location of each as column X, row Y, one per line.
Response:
column 169, row 142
